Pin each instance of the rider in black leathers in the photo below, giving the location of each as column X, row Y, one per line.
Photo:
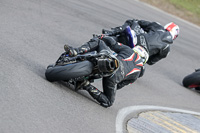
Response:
column 156, row 37
column 153, row 39
column 130, row 66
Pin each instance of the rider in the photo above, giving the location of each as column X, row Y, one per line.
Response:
column 131, row 63
column 152, row 35
column 152, row 45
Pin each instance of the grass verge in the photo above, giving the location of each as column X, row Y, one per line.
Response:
column 185, row 9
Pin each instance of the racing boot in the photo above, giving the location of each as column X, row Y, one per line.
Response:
column 80, row 84
column 98, row 95
column 70, row 50
column 74, row 51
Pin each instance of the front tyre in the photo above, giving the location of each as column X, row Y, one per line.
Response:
column 192, row 80
column 70, row 71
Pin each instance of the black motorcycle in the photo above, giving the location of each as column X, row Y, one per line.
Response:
column 192, row 80
column 89, row 66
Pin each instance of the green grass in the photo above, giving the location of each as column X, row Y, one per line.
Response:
column 191, row 5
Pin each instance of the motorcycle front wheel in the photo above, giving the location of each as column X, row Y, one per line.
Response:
column 192, row 80
column 70, row 71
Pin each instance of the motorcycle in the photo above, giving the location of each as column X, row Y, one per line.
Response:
column 192, row 80
column 88, row 66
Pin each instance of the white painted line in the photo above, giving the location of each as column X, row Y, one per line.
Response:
column 134, row 111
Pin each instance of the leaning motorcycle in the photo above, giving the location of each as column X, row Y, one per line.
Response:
column 88, row 66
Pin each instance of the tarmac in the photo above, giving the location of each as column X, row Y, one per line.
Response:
column 156, row 119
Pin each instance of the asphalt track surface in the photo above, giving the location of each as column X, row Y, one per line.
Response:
column 32, row 35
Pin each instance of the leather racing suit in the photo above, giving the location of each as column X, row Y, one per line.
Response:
column 151, row 34
column 129, row 69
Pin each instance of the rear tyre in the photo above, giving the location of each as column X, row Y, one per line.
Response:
column 192, row 80
column 70, row 71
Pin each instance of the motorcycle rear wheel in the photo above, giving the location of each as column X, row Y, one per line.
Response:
column 70, row 71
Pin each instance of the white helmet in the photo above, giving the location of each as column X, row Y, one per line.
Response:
column 173, row 29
